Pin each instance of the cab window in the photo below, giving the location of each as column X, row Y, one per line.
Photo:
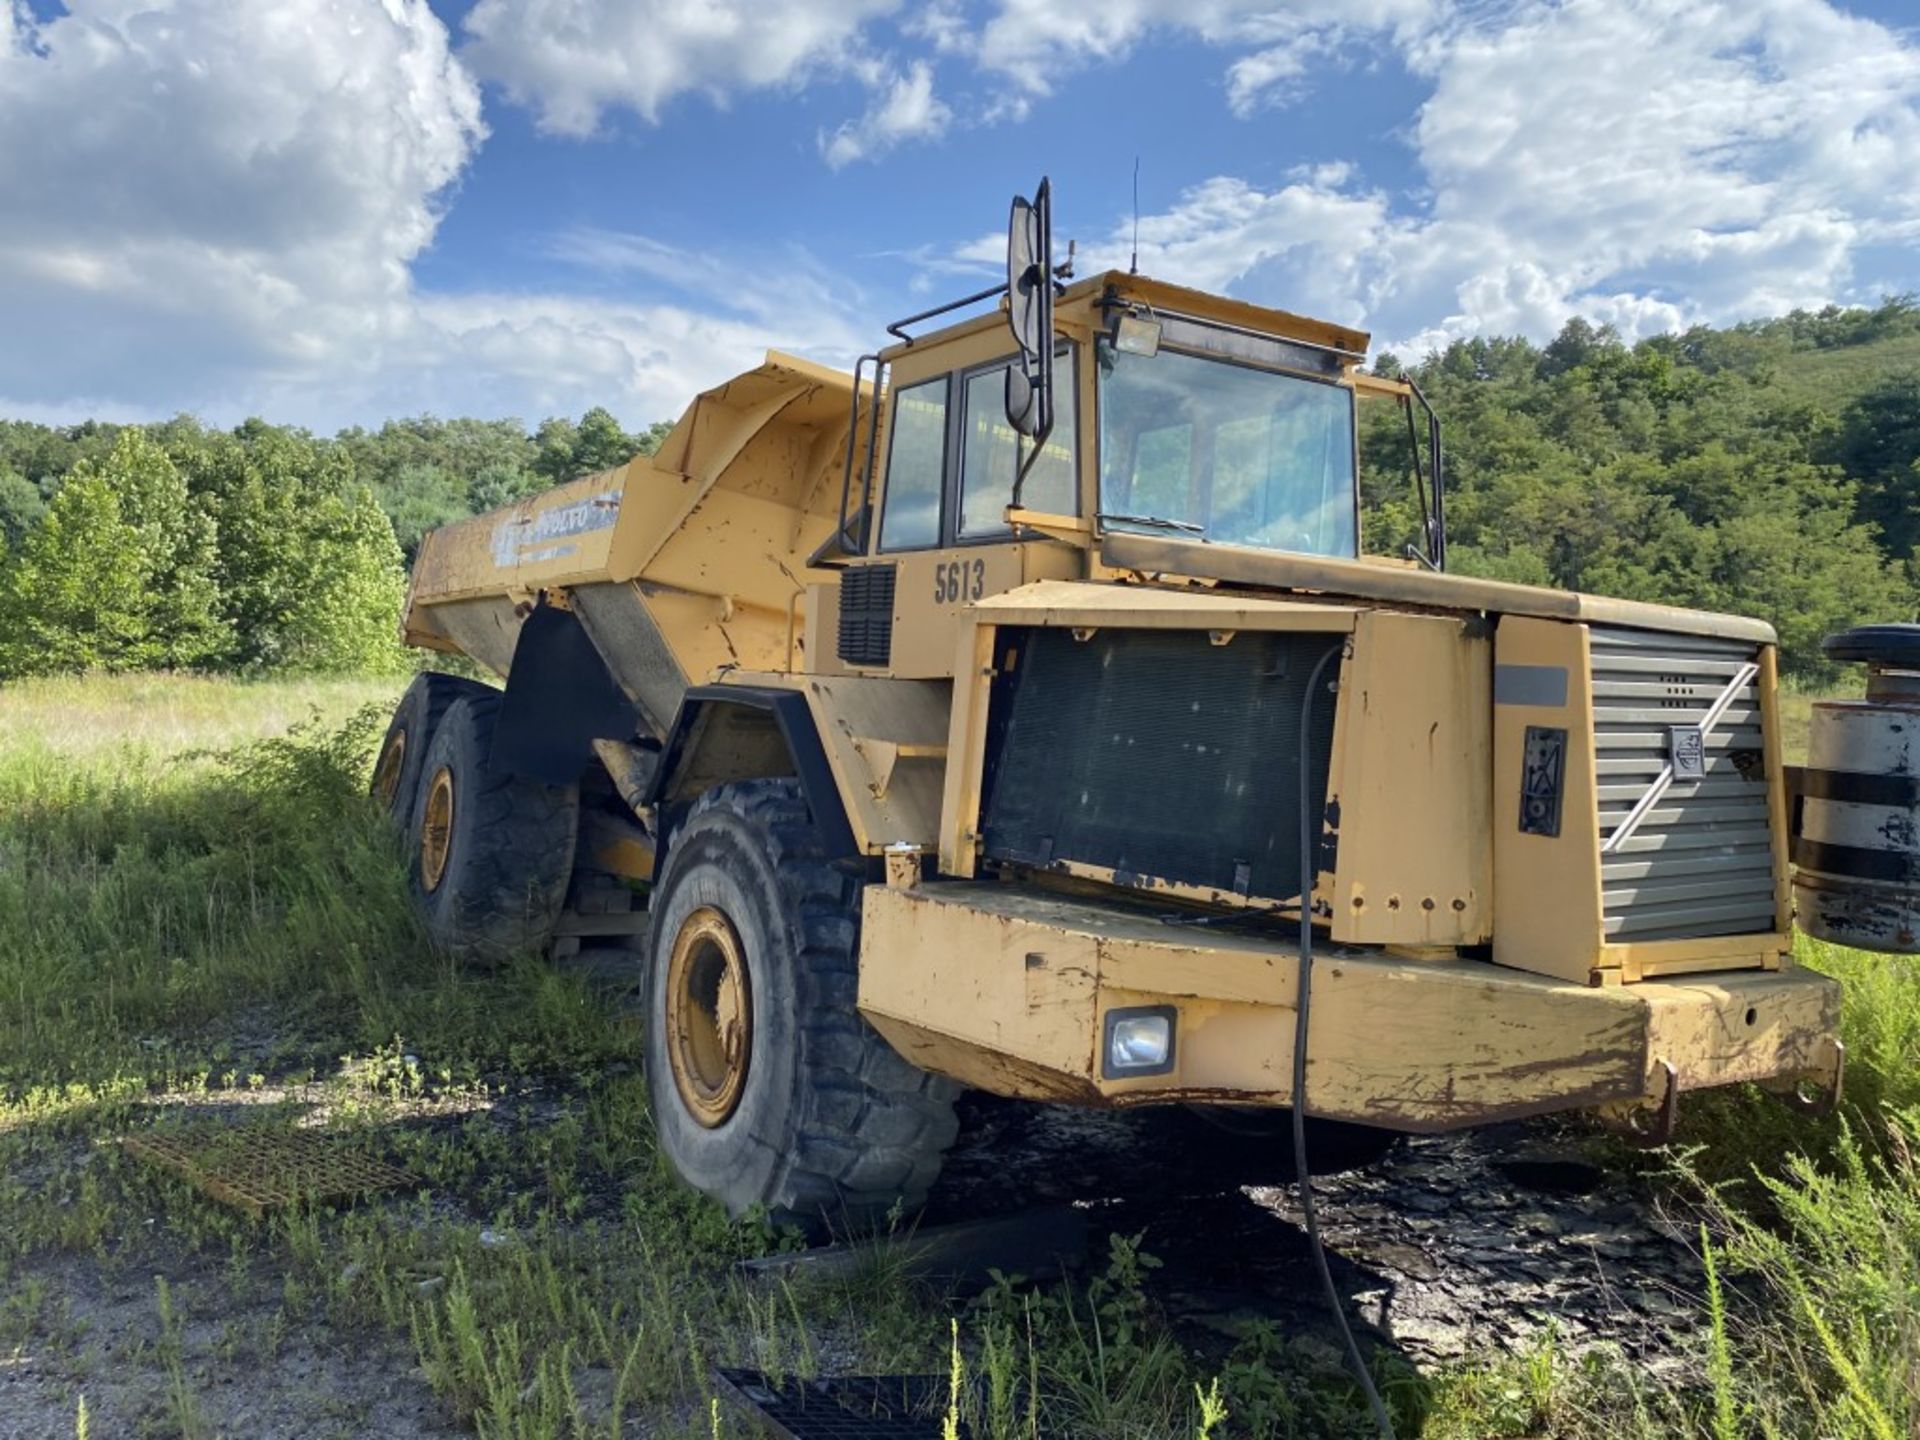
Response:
column 990, row 452
column 916, row 467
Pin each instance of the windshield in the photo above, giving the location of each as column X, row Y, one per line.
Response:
column 1190, row 446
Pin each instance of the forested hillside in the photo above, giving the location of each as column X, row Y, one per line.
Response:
column 1771, row 469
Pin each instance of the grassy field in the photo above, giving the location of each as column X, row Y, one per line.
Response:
column 202, row 921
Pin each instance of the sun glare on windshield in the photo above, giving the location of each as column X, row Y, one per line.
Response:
column 1240, row 456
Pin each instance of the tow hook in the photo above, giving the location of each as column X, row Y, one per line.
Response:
column 1647, row 1122
column 1815, row 1091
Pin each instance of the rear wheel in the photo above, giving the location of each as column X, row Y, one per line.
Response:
column 491, row 852
column 396, row 770
column 768, row 1088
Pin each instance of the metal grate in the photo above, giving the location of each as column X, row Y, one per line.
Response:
column 866, row 614
column 1157, row 755
column 849, row 1407
column 257, row 1168
column 1700, row 862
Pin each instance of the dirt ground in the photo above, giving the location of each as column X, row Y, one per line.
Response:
column 1446, row 1248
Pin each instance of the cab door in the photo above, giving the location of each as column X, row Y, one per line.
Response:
column 942, row 543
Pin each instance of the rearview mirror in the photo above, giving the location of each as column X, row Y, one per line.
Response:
column 1030, row 312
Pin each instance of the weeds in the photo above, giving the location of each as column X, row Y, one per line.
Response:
column 218, row 934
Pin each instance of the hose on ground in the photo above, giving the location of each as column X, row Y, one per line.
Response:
column 1303, row 998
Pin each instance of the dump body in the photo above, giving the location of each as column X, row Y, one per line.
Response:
column 1521, row 905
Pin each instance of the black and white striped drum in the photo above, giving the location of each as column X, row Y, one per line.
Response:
column 1857, row 854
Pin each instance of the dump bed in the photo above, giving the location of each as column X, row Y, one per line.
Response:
column 677, row 563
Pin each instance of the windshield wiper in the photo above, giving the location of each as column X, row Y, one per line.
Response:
column 1159, row 521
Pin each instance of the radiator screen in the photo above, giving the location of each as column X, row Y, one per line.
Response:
column 1157, row 754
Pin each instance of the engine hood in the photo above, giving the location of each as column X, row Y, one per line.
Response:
column 1155, row 555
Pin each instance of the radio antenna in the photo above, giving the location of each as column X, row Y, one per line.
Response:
column 1133, row 264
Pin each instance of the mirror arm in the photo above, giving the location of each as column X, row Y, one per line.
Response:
column 1040, row 439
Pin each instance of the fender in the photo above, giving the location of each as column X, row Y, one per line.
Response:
column 560, row 698
column 724, row 733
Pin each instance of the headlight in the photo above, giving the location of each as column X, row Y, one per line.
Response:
column 1138, row 1041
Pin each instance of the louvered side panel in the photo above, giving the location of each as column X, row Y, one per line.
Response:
column 1701, row 861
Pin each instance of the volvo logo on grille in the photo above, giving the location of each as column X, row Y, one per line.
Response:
column 1543, row 771
column 1687, row 751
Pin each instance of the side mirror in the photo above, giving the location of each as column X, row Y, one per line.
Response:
column 1030, row 312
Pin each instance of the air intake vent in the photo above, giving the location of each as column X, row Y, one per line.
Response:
column 866, row 615
column 1700, row 862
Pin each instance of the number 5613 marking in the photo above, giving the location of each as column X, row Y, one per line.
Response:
column 959, row 580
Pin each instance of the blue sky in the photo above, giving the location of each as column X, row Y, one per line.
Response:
column 332, row 211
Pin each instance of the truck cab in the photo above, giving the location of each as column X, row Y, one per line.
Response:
column 1175, row 416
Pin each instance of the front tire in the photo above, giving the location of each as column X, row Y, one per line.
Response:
column 768, row 1089
column 491, row 852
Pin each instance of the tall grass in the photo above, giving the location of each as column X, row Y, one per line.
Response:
column 169, row 910
column 141, row 901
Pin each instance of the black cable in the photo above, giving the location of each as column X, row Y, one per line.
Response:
column 1303, row 998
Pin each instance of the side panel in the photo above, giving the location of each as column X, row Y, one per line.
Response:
column 1546, row 857
column 886, row 741
column 1413, row 783
column 933, row 590
column 725, row 733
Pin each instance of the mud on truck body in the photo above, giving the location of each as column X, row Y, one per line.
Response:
column 975, row 721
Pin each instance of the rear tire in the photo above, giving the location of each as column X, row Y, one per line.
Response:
column 396, row 769
column 768, row 1088
column 491, row 852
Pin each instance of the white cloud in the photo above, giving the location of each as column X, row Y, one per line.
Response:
column 1654, row 162
column 1651, row 163
column 1034, row 43
column 904, row 109
column 214, row 190
column 222, row 204
column 574, row 59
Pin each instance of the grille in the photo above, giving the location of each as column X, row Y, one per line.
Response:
column 1157, row 755
column 866, row 615
column 1701, row 861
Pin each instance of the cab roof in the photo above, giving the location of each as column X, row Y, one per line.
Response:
column 1175, row 299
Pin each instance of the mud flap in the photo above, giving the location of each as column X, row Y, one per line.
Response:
column 560, row 699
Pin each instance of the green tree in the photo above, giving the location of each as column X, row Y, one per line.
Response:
column 118, row 575
column 501, row 485
column 21, row 507
column 600, row 443
column 178, row 552
column 556, row 441
column 1878, row 443
column 74, row 596
column 310, row 576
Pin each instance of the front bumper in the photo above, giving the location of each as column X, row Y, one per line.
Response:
column 1006, row 989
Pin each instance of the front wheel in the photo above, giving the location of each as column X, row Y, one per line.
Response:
column 768, row 1089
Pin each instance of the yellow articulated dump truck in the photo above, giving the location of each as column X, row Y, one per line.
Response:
column 1021, row 712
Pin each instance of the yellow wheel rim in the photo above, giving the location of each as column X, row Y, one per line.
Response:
column 386, row 775
column 709, row 1016
column 436, row 829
